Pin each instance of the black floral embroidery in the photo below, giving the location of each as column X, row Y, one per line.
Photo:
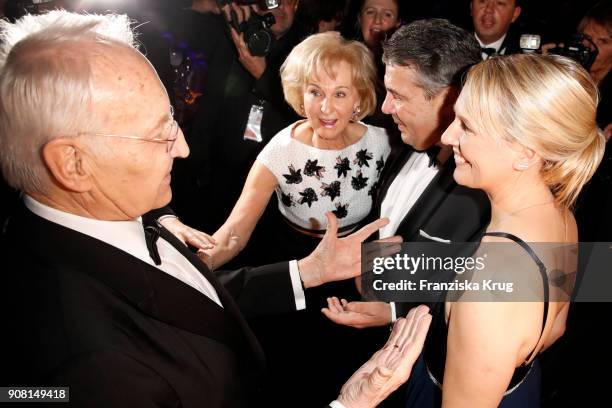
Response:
column 287, row 199
column 312, row 169
column 294, row 176
column 359, row 181
column 373, row 188
column 343, row 166
column 341, row 210
column 380, row 164
column 331, row 190
column 362, row 158
column 308, row 196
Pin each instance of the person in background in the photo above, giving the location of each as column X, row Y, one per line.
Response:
column 322, row 15
column 492, row 26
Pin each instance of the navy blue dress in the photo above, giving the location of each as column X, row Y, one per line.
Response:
column 424, row 386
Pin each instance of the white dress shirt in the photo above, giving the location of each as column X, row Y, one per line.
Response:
column 404, row 191
column 407, row 187
column 128, row 236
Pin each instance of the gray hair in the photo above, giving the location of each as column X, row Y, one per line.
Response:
column 46, row 85
column 437, row 50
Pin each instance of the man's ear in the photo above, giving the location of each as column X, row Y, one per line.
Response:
column 517, row 13
column 67, row 165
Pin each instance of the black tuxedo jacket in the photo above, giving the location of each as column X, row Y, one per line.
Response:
column 445, row 210
column 119, row 332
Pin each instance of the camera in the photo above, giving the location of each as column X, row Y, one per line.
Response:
column 257, row 35
column 580, row 48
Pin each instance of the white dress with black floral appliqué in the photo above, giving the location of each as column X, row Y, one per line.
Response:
column 313, row 181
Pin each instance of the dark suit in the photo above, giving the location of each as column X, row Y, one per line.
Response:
column 444, row 210
column 120, row 332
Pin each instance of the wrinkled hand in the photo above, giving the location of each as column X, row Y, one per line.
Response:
column 357, row 314
column 336, row 258
column 390, row 366
column 188, row 235
column 255, row 65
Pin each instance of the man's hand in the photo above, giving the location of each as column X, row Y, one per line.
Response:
column 389, row 367
column 255, row 65
column 336, row 258
column 357, row 314
column 608, row 131
column 188, row 235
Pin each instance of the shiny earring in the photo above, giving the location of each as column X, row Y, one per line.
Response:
column 302, row 109
column 355, row 115
column 522, row 166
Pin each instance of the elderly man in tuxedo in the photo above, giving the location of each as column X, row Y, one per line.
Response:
column 424, row 63
column 127, row 316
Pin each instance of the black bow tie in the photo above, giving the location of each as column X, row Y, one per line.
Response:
column 489, row 51
column 151, row 232
column 433, row 152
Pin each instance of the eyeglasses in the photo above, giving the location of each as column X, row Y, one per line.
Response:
column 168, row 135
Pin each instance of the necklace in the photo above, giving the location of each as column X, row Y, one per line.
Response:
column 513, row 213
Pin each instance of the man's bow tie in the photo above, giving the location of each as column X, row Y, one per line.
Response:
column 151, row 232
column 489, row 51
column 432, row 152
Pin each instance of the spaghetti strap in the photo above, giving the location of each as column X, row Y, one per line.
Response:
column 542, row 269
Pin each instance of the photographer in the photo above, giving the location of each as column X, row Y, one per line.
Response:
column 241, row 108
column 597, row 26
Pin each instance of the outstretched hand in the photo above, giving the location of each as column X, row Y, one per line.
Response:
column 390, row 366
column 336, row 258
column 357, row 314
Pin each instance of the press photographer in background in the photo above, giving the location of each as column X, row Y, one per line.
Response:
column 594, row 35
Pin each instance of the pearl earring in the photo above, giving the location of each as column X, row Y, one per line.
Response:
column 522, row 166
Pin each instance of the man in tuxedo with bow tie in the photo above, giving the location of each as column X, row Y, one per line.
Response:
column 424, row 64
column 493, row 29
column 86, row 134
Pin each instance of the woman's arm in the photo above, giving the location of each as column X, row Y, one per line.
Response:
column 234, row 234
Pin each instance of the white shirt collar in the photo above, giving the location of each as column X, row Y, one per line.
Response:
column 497, row 44
column 127, row 236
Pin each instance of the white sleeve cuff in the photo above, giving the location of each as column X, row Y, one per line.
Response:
column 393, row 312
column 296, row 283
column 336, row 404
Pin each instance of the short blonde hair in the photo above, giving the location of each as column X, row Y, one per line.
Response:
column 326, row 51
column 46, row 85
column 546, row 103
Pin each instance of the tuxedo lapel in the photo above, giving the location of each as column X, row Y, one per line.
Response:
column 226, row 299
column 151, row 290
column 425, row 206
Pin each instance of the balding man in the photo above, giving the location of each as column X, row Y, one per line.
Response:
column 87, row 135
